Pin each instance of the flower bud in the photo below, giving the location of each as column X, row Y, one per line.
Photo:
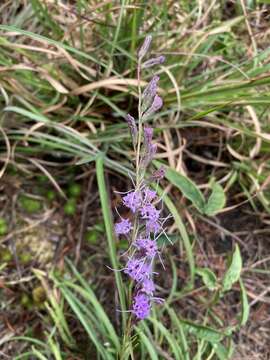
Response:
column 145, row 46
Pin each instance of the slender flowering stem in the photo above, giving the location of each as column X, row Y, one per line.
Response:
column 145, row 223
column 139, row 124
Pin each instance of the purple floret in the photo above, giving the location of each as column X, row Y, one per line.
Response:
column 137, row 269
column 133, row 200
column 156, row 105
column 148, row 246
column 123, row 227
column 149, row 195
column 148, row 286
column 149, row 93
column 154, row 61
column 141, row 306
column 149, row 212
column 152, row 226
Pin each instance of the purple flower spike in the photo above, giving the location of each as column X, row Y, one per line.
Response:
column 154, row 61
column 157, row 104
column 123, row 227
column 132, row 128
column 133, row 200
column 141, row 306
column 146, row 224
column 145, row 46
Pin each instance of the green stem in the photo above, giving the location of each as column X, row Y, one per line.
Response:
column 127, row 344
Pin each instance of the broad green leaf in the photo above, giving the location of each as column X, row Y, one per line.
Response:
column 233, row 273
column 186, row 186
column 216, row 200
column 208, row 277
column 203, row 332
column 244, row 304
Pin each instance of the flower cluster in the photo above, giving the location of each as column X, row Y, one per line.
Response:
column 143, row 202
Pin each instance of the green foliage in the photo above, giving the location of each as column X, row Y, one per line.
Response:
column 233, row 272
column 5, row 255
column 216, row 200
column 92, row 236
column 70, row 207
column 187, row 187
column 3, row 227
column 208, row 277
column 30, row 205
column 245, row 305
column 190, row 190
column 51, row 195
column 74, row 190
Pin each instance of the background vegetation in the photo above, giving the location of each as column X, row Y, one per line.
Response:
column 67, row 77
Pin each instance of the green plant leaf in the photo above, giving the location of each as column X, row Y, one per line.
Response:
column 216, row 200
column 186, row 186
column 222, row 352
column 183, row 232
column 109, row 228
column 244, row 304
column 203, row 332
column 233, row 273
column 167, row 240
column 208, row 277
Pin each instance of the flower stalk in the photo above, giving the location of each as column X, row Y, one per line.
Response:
column 146, row 223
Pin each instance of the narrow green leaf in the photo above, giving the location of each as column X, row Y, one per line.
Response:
column 173, row 344
column 89, row 324
column 106, row 211
column 38, row 354
column 233, row 273
column 183, row 232
column 148, row 345
column 86, row 159
column 180, row 332
column 244, row 304
column 216, row 200
column 54, row 349
column 208, row 277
